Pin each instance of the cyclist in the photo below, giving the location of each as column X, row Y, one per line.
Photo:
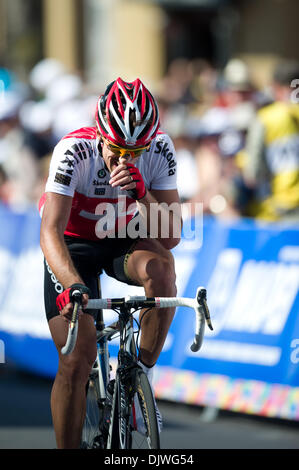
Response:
column 271, row 164
column 92, row 169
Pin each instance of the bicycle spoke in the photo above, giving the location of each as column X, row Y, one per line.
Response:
column 93, row 413
column 147, row 435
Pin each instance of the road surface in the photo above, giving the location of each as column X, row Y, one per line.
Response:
column 25, row 421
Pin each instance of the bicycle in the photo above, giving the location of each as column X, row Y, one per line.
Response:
column 111, row 403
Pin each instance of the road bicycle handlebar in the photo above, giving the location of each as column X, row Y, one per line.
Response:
column 199, row 304
column 73, row 326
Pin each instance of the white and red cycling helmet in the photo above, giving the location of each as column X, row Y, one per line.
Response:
column 127, row 114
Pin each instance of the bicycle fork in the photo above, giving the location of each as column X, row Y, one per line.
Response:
column 121, row 404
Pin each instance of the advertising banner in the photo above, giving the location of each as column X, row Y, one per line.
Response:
column 248, row 363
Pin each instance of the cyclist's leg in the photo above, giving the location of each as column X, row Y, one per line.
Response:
column 152, row 266
column 68, row 393
column 68, row 396
column 146, row 263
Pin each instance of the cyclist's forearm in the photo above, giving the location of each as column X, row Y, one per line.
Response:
column 163, row 221
column 58, row 258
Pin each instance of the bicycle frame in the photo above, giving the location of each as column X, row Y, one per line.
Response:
column 127, row 345
column 127, row 357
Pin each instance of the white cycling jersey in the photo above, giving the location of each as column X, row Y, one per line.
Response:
column 78, row 170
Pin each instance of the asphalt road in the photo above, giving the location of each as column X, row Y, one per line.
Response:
column 25, row 421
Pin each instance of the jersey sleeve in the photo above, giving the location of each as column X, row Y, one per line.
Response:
column 164, row 164
column 63, row 173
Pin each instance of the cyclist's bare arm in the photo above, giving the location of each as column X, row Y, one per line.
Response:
column 153, row 202
column 54, row 220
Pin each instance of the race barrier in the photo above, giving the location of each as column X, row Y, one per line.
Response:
column 249, row 363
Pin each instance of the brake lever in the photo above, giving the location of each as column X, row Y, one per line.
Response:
column 201, row 297
column 73, row 326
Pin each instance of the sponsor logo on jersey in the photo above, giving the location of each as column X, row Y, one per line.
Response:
column 99, row 191
column 68, row 172
column 69, row 162
column 77, row 153
column 162, row 147
column 101, row 173
column 58, row 286
column 62, row 179
column 100, row 183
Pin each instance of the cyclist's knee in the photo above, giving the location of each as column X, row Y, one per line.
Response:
column 159, row 276
column 76, row 367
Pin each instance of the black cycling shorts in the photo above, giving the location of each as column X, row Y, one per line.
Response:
column 90, row 259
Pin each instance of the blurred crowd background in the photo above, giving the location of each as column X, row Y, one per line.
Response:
column 224, row 75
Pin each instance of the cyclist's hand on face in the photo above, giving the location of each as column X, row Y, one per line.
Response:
column 129, row 178
column 64, row 301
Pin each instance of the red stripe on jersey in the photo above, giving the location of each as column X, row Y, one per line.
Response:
column 83, row 133
column 41, row 203
column 87, row 211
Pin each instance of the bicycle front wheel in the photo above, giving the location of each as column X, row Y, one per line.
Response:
column 123, row 431
column 146, row 434
column 90, row 432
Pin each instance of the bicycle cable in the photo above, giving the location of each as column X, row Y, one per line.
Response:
column 138, row 324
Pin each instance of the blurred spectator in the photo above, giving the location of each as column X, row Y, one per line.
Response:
column 72, row 115
column 238, row 95
column 237, row 83
column 187, row 177
column 203, row 85
column 4, row 187
column 60, row 104
column 186, row 92
column 43, row 74
column 174, row 87
column 217, row 126
column 44, row 165
column 206, row 112
column 174, row 123
column 271, row 166
column 31, row 124
column 16, row 159
column 217, row 144
column 36, row 119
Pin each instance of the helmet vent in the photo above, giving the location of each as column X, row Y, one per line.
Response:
column 115, row 106
column 132, row 120
column 146, row 129
column 130, row 91
column 139, row 99
column 116, row 127
column 122, row 97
